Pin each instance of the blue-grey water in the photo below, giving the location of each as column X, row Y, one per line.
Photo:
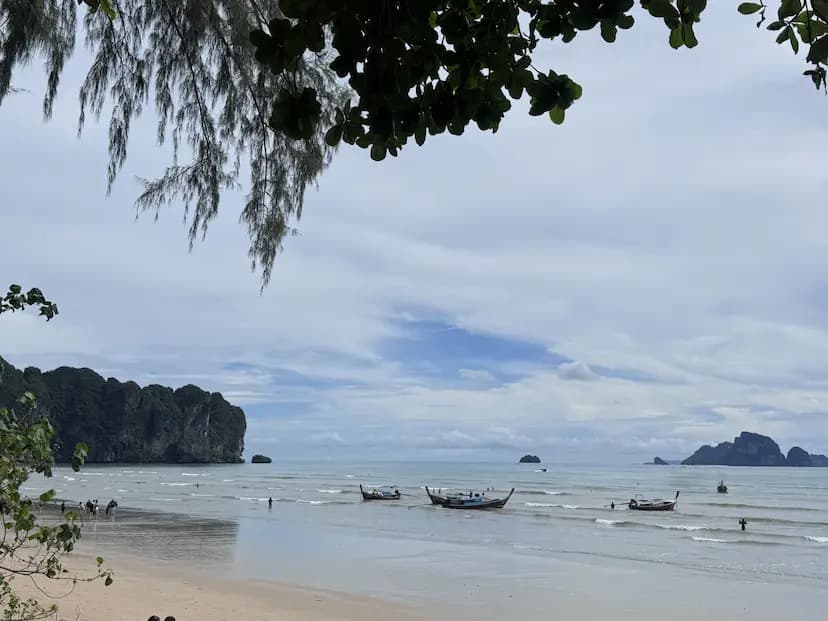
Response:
column 320, row 532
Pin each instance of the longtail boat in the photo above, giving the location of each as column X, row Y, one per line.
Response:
column 382, row 493
column 721, row 488
column 657, row 504
column 476, row 502
column 439, row 497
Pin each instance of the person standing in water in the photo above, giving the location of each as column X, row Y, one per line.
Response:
column 743, row 523
column 62, row 508
column 270, row 503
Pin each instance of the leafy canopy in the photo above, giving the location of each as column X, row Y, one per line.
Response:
column 421, row 67
column 192, row 63
column 257, row 85
column 30, row 549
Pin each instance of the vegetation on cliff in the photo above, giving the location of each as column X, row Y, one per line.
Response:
column 122, row 422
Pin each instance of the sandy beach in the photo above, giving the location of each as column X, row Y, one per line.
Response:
column 587, row 592
column 141, row 590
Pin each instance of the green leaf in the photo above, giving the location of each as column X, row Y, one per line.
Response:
column 748, row 8
column 99, row 561
column 378, row 152
column 420, row 134
column 789, row 8
column 776, row 26
column 676, row 38
column 108, row 581
column 819, row 50
column 608, row 31
column 106, row 7
column 784, row 35
column 625, row 22
column 662, row 8
column 690, row 39
column 557, row 115
column 794, row 42
column 333, row 135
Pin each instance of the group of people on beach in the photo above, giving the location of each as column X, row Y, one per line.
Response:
column 91, row 508
column 157, row 618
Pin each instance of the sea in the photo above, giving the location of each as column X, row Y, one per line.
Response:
column 557, row 537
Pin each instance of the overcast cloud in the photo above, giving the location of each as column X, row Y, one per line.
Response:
column 648, row 277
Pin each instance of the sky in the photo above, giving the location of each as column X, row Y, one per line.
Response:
column 646, row 278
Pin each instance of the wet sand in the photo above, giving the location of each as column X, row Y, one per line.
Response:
column 141, row 590
column 562, row 589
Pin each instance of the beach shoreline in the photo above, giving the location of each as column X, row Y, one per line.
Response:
column 557, row 587
column 141, row 589
column 202, row 536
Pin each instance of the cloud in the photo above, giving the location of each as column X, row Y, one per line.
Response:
column 459, row 289
column 576, row 371
column 476, row 375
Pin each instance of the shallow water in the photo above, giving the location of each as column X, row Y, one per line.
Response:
column 319, row 528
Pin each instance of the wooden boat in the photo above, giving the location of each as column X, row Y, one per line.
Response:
column 476, row 502
column 382, row 493
column 721, row 488
column 438, row 497
column 656, row 504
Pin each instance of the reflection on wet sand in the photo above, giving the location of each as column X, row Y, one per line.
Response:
column 163, row 537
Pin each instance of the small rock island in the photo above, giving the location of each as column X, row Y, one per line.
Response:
column 260, row 459
column 529, row 459
column 753, row 449
column 659, row 462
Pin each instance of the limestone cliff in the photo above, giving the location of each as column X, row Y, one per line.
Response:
column 122, row 422
column 752, row 449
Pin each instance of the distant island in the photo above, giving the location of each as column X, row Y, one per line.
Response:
column 122, row 422
column 529, row 459
column 659, row 462
column 753, row 449
column 260, row 459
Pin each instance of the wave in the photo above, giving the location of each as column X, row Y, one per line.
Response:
column 322, row 502
column 771, row 520
column 122, row 491
column 816, row 539
column 350, row 476
column 609, row 522
column 329, row 491
column 738, row 505
column 687, row 527
column 753, row 542
column 250, row 498
column 166, row 499
column 203, row 495
column 192, row 474
column 541, row 492
column 540, row 504
column 68, row 478
column 176, row 484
